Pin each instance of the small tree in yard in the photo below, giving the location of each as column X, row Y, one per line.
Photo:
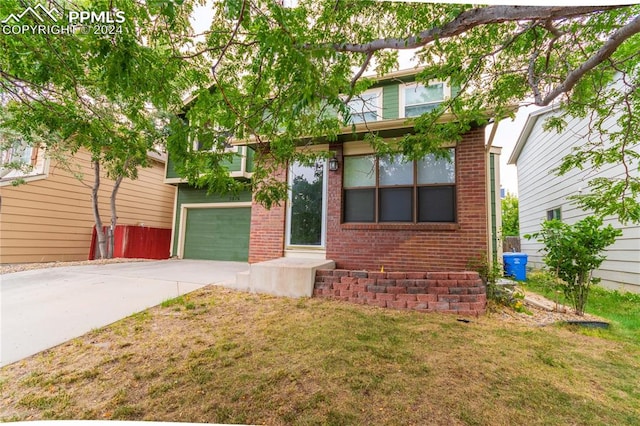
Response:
column 573, row 252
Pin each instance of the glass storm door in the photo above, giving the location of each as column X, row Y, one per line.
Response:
column 306, row 215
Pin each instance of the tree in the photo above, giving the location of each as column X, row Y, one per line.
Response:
column 96, row 87
column 573, row 252
column 510, row 219
column 280, row 72
column 278, row 76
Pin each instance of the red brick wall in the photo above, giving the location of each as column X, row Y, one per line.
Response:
column 407, row 247
column 266, row 241
column 397, row 247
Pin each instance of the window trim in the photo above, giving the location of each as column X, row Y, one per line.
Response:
column 446, row 89
column 415, row 188
column 378, row 107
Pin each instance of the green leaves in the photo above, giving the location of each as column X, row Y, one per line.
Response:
column 510, row 216
column 278, row 75
column 572, row 252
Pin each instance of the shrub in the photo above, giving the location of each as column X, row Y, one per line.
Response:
column 573, row 252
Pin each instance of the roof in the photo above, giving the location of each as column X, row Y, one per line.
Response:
column 526, row 131
column 160, row 157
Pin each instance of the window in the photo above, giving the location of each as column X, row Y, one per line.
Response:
column 19, row 153
column 215, row 142
column 366, row 107
column 392, row 189
column 18, row 160
column 554, row 214
column 417, row 99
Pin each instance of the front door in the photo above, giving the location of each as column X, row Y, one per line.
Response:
column 306, row 213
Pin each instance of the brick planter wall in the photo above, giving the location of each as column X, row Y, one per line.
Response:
column 461, row 293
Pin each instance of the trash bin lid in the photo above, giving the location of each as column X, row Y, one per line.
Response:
column 515, row 255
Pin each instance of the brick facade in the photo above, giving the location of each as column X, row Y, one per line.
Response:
column 409, row 247
column 396, row 247
column 266, row 240
column 461, row 293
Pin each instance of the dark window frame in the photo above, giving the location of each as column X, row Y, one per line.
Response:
column 415, row 196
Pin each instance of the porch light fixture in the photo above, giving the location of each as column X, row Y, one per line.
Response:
column 333, row 164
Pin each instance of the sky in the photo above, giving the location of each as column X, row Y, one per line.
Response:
column 506, row 137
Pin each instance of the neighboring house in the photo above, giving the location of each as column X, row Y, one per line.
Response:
column 49, row 216
column 543, row 195
column 361, row 211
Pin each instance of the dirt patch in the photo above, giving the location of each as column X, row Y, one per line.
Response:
column 540, row 312
column 19, row 267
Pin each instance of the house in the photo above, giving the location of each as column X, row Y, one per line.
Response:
column 49, row 216
column 543, row 195
column 358, row 211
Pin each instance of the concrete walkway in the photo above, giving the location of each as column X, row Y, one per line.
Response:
column 46, row 307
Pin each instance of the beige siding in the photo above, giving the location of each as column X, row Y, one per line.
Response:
column 51, row 219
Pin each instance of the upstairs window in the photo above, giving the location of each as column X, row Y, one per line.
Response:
column 417, row 99
column 215, row 142
column 366, row 107
column 392, row 189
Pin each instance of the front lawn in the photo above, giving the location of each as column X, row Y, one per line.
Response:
column 622, row 309
column 231, row 357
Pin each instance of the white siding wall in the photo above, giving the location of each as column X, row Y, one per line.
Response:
column 540, row 190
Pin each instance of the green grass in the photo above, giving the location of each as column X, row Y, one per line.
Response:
column 176, row 302
column 253, row 359
column 622, row 309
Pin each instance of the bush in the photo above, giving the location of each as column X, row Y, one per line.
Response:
column 573, row 252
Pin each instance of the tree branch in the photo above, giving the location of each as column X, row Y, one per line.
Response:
column 361, row 71
column 464, row 22
column 616, row 39
column 233, row 36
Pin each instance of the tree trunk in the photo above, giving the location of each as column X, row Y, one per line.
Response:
column 114, row 216
column 102, row 243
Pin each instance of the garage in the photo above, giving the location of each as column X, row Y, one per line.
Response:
column 216, row 233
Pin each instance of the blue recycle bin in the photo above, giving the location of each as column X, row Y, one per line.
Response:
column 515, row 265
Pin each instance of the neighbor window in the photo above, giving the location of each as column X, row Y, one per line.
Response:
column 19, row 154
column 419, row 99
column 392, row 189
column 18, row 160
column 554, row 214
column 366, row 107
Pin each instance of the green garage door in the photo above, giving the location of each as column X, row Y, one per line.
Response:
column 217, row 234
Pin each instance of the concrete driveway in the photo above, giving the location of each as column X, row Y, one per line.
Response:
column 45, row 307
